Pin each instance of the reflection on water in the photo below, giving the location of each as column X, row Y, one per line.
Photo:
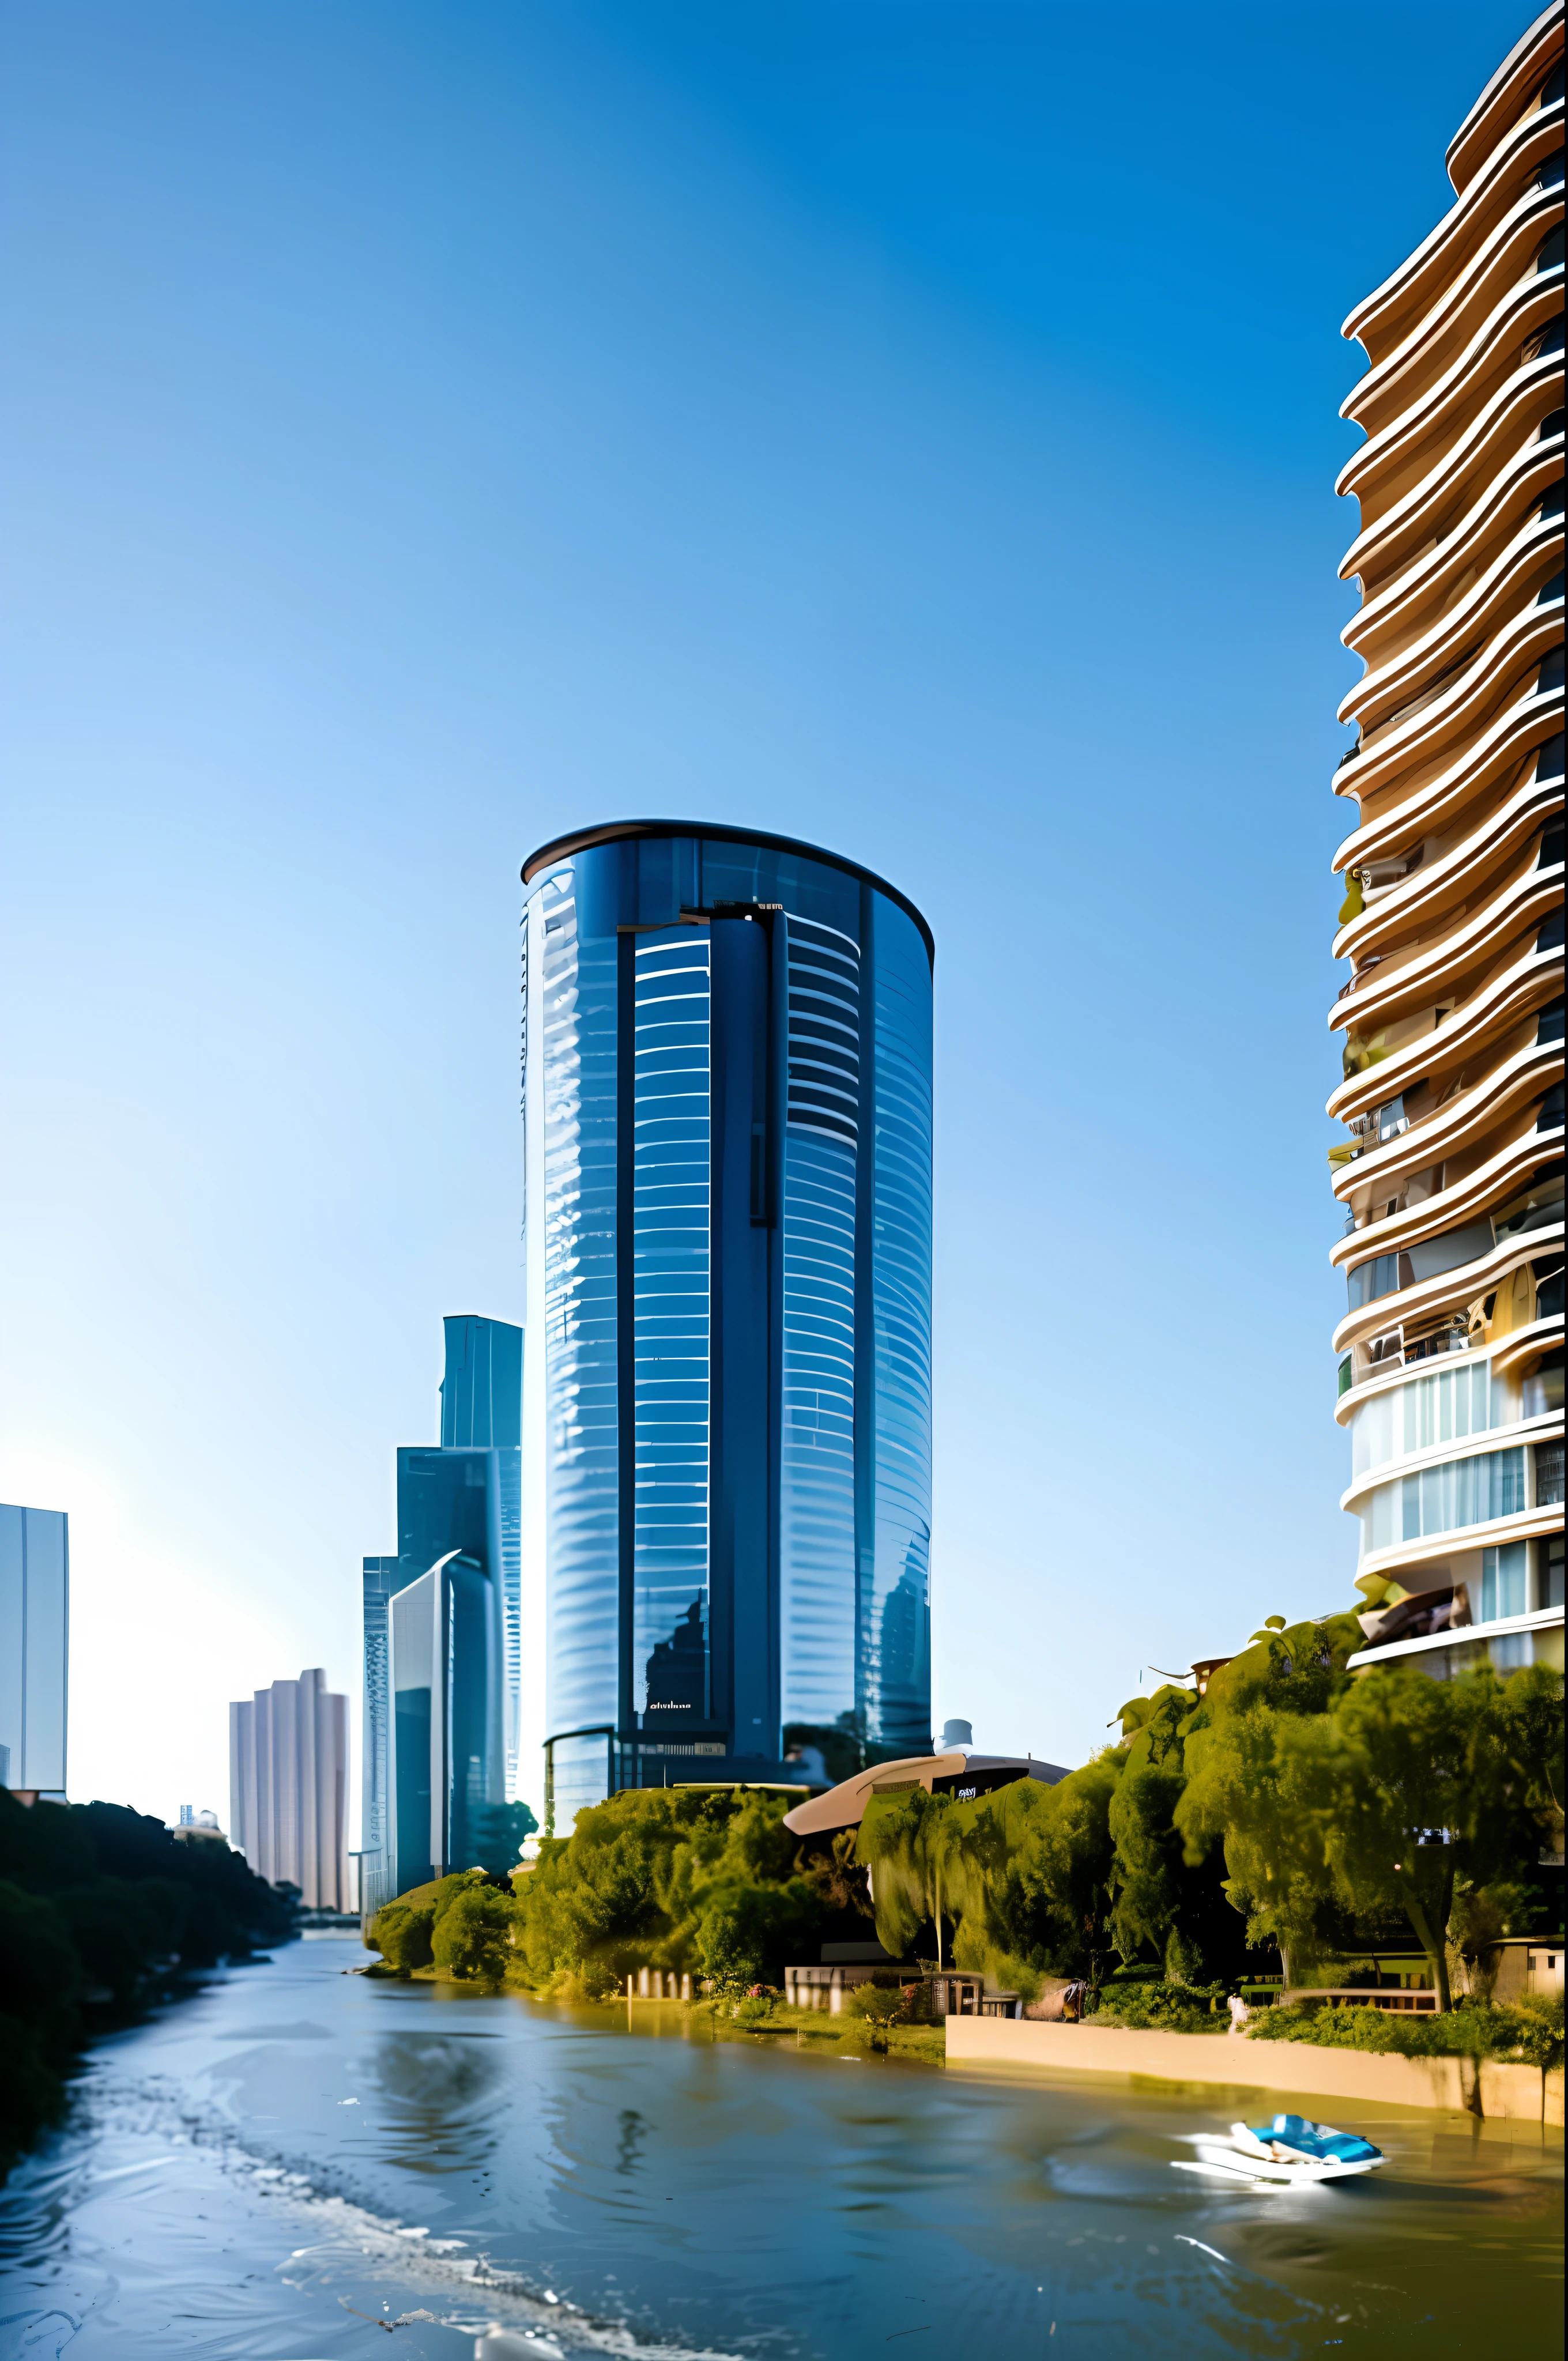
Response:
column 298, row 2154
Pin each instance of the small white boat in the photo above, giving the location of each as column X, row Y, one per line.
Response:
column 1288, row 2150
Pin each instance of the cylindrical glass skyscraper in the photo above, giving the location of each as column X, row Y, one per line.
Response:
column 727, row 1100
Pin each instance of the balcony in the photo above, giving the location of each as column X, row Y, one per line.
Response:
column 1445, row 1609
column 1454, row 1337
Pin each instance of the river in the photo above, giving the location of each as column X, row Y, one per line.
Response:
column 298, row 2159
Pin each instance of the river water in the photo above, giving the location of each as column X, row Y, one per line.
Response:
column 299, row 2161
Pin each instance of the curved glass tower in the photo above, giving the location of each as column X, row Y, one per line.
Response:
column 726, row 1101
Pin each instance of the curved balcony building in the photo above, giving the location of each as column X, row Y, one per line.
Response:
column 726, row 1102
column 1451, row 1175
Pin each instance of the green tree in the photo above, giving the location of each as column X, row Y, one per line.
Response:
column 1241, row 1792
column 471, row 1938
column 1020, row 1875
column 41, row 2025
column 669, row 1878
column 1239, row 1789
column 1148, row 1873
column 404, row 1931
column 1415, row 1780
column 1376, row 1784
column 98, row 1905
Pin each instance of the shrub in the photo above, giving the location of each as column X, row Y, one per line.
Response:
column 755, row 2006
column 881, row 2005
column 684, row 1880
column 1155, row 2002
column 402, row 1932
column 1534, row 2027
column 744, row 1930
column 472, row 1937
column 1472, row 2030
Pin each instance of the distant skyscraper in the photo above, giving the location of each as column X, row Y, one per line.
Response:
column 481, row 1409
column 443, row 1625
column 375, row 1865
column 726, row 1102
column 34, row 1612
column 289, row 1787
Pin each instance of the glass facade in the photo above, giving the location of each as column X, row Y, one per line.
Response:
column 1445, row 1498
column 727, row 1215
column 380, row 1577
column 35, row 1627
column 456, row 1576
column 671, row 1150
column 1444, row 1408
column 481, row 1409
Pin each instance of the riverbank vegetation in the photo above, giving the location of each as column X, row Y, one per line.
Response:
column 1288, row 1815
column 699, row 1882
column 1292, row 1806
column 1530, row 2029
column 101, row 1910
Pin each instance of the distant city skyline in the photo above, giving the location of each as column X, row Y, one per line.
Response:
column 427, row 428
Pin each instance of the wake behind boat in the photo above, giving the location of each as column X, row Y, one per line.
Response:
column 1289, row 2149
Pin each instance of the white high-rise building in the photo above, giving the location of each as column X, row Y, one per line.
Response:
column 1451, row 1375
column 289, row 1787
column 35, row 1617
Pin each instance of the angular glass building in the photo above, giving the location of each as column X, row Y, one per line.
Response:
column 443, row 1626
column 726, row 1098
column 34, row 1649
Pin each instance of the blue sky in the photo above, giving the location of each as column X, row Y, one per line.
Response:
column 909, row 427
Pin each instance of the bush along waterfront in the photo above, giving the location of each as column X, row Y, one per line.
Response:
column 101, row 1912
column 699, row 1882
column 1293, row 1805
column 1290, row 1813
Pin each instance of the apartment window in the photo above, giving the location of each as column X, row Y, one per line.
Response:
column 1542, row 1388
column 1460, row 1492
column 1548, row 254
column 1537, row 1208
column 1370, row 1281
column 1442, row 1499
column 1372, row 1434
column 1550, row 1026
column 1547, row 1475
column 1549, row 1571
column 1448, row 1407
column 1505, row 1574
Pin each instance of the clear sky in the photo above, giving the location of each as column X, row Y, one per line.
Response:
column 911, row 427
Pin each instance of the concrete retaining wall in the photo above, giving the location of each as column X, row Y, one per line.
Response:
column 1297, row 2066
